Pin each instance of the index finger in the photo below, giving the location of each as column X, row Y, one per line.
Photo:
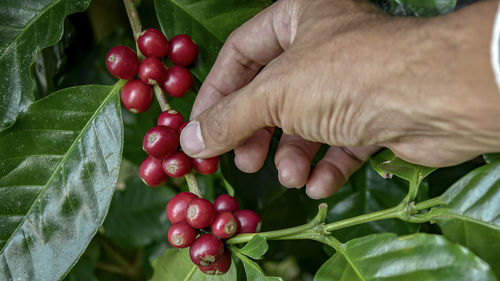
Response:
column 247, row 49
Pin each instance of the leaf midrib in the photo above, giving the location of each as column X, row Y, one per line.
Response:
column 42, row 12
column 448, row 214
column 111, row 94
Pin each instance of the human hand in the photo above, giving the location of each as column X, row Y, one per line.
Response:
column 343, row 73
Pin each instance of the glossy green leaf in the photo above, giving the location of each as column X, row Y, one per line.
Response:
column 255, row 248
column 176, row 265
column 418, row 257
column 26, row 27
column 84, row 268
column 253, row 270
column 419, row 8
column 208, row 22
column 491, row 157
column 470, row 214
column 58, row 170
column 386, row 163
column 137, row 215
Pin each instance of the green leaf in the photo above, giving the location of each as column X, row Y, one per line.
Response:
column 176, row 265
column 137, row 216
column 26, row 27
column 58, row 170
column 491, row 157
column 386, row 163
column 471, row 213
column 208, row 22
column 84, row 268
column 253, row 270
column 419, row 257
column 419, row 8
column 255, row 248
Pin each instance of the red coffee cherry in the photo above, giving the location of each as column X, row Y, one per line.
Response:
column 160, row 142
column 182, row 50
column 205, row 250
column 177, row 81
column 181, row 235
column 248, row 221
column 226, row 203
column 151, row 172
column 122, row 62
column 152, row 43
column 136, row 96
column 219, row 266
column 152, row 71
column 200, row 213
column 206, row 166
column 177, row 165
column 171, row 119
column 177, row 206
column 224, row 225
column 182, row 127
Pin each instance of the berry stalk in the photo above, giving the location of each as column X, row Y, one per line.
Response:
column 135, row 22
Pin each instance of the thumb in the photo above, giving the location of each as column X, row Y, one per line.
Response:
column 228, row 123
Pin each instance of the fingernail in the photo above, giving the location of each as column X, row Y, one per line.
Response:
column 191, row 139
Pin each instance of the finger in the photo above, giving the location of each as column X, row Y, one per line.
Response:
column 247, row 49
column 293, row 160
column 335, row 168
column 251, row 155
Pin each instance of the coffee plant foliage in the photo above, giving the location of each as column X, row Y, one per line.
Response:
column 73, row 206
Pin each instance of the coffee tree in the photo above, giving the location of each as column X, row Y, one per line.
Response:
column 93, row 97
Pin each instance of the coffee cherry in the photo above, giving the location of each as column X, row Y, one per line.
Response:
column 205, row 250
column 171, row 119
column 224, row 225
column 248, row 221
column 200, row 213
column 219, row 266
column 181, row 235
column 206, row 166
column 152, row 71
column 122, row 62
column 153, row 43
column 226, row 203
column 136, row 96
column 182, row 50
column 182, row 127
column 177, row 81
column 177, row 206
column 160, row 142
column 151, row 172
column 177, row 165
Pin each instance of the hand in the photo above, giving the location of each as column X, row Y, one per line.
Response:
column 345, row 74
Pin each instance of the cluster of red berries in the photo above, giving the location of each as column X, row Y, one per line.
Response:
column 165, row 159
column 123, row 63
column 187, row 213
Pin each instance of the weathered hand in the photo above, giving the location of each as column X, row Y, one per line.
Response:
column 345, row 74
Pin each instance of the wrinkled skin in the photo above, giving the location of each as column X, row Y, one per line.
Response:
column 345, row 74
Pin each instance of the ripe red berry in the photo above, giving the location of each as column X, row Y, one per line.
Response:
column 152, row 43
column 171, row 119
column 177, row 206
column 152, row 71
column 206, row 166
column 182, row 127
column 224, row 225
column 182, row 50
column 248, row 221
column 200, row 213
column 226, row 203
column 181, row 235
column 177, row 81
column 122, row 62
column 206, row 249
column 177, row 165
column 160, row 141
column 136, row 96
column 219, row 266
column 151, row 171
